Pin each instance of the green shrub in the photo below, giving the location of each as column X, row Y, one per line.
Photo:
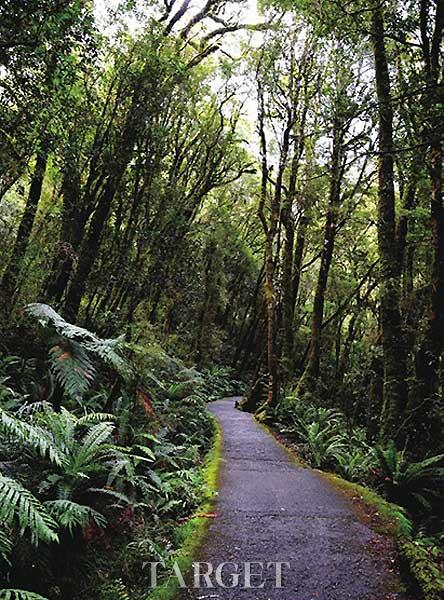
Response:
column 416, row 485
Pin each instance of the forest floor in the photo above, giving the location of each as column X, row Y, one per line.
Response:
column 270, row 509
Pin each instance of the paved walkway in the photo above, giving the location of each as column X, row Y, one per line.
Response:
column 269, row 510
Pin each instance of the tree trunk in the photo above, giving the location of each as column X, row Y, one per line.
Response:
column 395, row 388
column 72, row 230
column 11, row 275
column 288, row 261
column 312, row 371
column 92, row 240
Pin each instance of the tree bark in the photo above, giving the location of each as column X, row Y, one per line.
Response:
column 11, row 275
column 432, row 348
column 395, row 387
column 312, row 370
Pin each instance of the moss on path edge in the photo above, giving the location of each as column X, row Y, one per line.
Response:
column 193, row 532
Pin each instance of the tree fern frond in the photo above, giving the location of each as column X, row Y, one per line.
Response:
column 48, row 316
column 16, row 502
column 112, row 493
column 71, row 515
column 93, row 418
column 72, row 368
column 5, row 544
column 31, row 435
column 110, row 352
column 20, row 595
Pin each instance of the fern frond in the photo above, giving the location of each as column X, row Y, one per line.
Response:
column 80, row 339
column 20, row 595
column 32, row 436
column 16, row 502
column 425, row 468
column 93, row 418
column 114, row 590
column 112, row 493
column 5, row 545
column 110, row 352
column 72, row 368
column 93, row 445
column 71, row 515
column 48, row 316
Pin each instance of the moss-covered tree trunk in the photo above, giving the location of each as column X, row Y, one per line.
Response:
column 394, row 359
column 336, row 168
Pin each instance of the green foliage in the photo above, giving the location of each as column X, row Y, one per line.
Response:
column 71, row 515
column 74, row 349
column 5, row 544
column 113, row 590
column 128, row 476
column 423, row 558
column 31, row 435
column 415, row 485
column 323, row 444
column 18, row 504
column 19, row 595
column 354, row 464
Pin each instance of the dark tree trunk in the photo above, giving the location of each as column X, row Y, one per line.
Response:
column 312, row 371
column 395, row 388
column 208, row 307
column 72, row 230
column 89, row 250
column 11, row 275
column 299, row 252
column 288, row 262
column 92, row 240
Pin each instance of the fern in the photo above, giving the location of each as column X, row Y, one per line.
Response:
column 32, row 436
column 93, row 447
column 72, row 368
column 20, row 595
column 71, row 357
column 92, row 418
column 71, row 515
column 114, row 590
column 415, row 485
column 110, row 352
column 5, row 545
column 16, row 502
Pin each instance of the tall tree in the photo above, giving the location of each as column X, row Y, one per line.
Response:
column 395, row 387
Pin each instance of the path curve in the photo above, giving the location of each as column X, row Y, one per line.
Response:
column 270, row 509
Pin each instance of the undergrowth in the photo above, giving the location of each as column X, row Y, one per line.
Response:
column 103, row 452
column 405, row 495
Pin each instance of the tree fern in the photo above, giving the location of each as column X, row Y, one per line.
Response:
column 19, row 504
column 72, row 368
column 32, row 436
column 71, row 515
column 71, row 358
column 20, row 595
column 5, row 544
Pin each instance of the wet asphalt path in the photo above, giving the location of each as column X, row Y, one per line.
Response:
column 269, row 510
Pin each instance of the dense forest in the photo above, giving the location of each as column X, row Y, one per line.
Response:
column 212, row 199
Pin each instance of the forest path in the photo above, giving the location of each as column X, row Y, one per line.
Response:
column 269, row 509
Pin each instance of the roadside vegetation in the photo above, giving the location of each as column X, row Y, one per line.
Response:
column 102, row 461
